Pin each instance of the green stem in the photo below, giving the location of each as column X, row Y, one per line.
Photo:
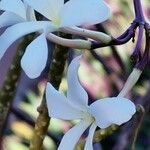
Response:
column 55, row 75
column 8, row 90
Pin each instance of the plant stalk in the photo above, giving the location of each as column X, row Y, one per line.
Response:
column 57, row 66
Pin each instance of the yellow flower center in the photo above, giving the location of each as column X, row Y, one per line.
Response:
column 56, row 21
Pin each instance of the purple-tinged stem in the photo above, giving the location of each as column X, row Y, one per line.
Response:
column 138, row 11
column 120, row 40
column 129, row 33
column 136, row 55
column 141, row 65
column 134, row 25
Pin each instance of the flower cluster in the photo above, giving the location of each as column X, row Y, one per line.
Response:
column 59, row 16
column 20, row 20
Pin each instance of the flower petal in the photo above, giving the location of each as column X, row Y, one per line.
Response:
column 76, row 92
column 48, row 8
column 59, row 107
column 71, row 138
column 89, row 140
column 79, row 12
column 30, row 14
column 8, row 18
column 108, row 111
column 56, row 6
column 15, row 32
column 34, row 60
column 15, row 6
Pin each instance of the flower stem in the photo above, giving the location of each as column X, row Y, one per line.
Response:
column 55, row 75
column 141, row 65
column 72, row 43
column 8, row 90
column 138, row 10
column 137, row 54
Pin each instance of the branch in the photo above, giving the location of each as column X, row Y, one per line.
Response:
column 27, row 118
column 10, row 84
column 55, row 75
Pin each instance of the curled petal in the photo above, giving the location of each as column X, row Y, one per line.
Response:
column 76, row 93
column 49, row 8
column 71, row 138
column 34, row 60
column 89, row 140
column 15, row 6
column 15, row 32
column 8, row 18
column 79, row 12
column 59, row 107
column 108, row 111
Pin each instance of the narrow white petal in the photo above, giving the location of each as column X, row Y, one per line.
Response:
column 71, row 138
column 59, row 106
column 89, row 140
column 76, row 92
column 15, row 32
column 108, row 111
column 30, row 14
column 34, row 60
column 8, row 18
column 15, row 6
column 79, row 12
column 49, row 8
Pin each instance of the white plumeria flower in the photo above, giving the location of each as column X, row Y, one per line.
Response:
column 72, row 13
column 65, row 17
column 22, row 20
column 102, row 113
